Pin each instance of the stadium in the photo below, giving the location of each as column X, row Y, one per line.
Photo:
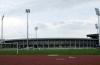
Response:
column 59, row 22
column 91, row 42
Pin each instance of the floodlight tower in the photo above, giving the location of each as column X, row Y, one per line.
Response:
column 27, row 11
column 2, row 30
column 98, row 14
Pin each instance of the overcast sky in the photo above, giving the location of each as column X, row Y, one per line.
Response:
column 54, row 18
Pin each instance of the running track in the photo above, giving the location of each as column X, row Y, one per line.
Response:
column 49, row 60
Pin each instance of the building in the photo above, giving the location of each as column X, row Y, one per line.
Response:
column 91, row 42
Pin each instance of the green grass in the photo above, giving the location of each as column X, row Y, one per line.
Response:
column 51, row 52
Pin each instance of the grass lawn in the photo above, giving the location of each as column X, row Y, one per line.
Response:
column 50, row 52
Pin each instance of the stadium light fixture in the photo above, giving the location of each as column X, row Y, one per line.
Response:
column 27, row 11
column 98, row 14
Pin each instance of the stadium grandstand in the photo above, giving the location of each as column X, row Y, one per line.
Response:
column 90, row 42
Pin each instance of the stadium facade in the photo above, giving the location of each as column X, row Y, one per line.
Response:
column 91, row 42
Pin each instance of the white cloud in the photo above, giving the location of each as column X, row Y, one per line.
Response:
column 55, row 18
column 14, row 27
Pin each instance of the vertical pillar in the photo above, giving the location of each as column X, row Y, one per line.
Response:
column 87, row 43
column 99, row 28
column 79, row 43
column 83, row 43
column 70, row 43
column 48, row 43
column 75, row 43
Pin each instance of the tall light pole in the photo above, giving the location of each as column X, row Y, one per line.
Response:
column 2, row 30
column 27, row 11
column 36, row 29
column 98, row 14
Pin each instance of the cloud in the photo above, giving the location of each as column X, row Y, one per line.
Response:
column 14, row 27
column 55, row 18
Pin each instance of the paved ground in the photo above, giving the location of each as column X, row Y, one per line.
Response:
column 49, row 60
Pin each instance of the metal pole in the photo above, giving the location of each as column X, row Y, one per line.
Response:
column 99, row 29
column 96, row 25
column 36, row 28
column 27, row 31
column 36, row 39
column 98, row 14
column 2, row 30
column 17, row 47
column 36, row 34
column 27, row 11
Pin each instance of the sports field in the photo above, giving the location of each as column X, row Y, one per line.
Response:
column 50, row 52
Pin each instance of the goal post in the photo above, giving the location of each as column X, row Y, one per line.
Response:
column 11, row 46
column 17, row 47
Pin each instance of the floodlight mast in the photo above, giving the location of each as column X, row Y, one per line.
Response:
column 27, row 11
column 2, row 30
column 98, row 14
